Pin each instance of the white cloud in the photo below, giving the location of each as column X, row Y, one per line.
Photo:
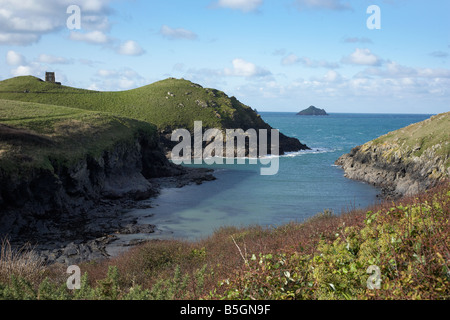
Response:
column 177, row 33
column 50, row 59
column 14, row 58
column 242, row 5
column 323, row 4
column 130, row 48
column 332, row 76
column 25, row 22
column 394, row 70
column 362, row 57
column 111, row 80
column 28, row 69
column 383, row 88
column 22, row 71
column 106, row 73
column 307, row 62
column 433, row 73
column 21, row 67
column 35, row 67
column 217, row 77
column 242, row 68
column 16, row 39
column 127, row 48
column 93, row 37
column 93, row 22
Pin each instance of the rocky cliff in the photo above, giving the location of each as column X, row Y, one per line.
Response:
column 405, row 161
column 67, row 176
column 71, row 213
column 64, row 191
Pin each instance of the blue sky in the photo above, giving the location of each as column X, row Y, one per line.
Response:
column 282, row 55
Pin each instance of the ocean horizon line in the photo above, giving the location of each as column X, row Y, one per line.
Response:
column 358, row 113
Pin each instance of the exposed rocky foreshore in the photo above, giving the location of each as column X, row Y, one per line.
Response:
column 85, row 233
column 70, row 214
column 403, row 162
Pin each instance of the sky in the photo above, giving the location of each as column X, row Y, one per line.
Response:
column 273, row 55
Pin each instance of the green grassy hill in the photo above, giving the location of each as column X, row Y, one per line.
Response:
column 31, row 134
column 169, row 104
column 431, row 135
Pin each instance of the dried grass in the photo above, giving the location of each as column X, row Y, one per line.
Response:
column 20, row 262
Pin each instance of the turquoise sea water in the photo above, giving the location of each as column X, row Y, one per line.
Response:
column 308, row 182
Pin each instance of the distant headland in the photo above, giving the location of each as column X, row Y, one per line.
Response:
column 313, row 111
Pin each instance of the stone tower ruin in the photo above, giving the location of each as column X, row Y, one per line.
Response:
column 50, row 77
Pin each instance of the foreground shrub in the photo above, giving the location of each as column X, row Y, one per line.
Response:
column 407, row 246
column 395, row 251
column 20, row 262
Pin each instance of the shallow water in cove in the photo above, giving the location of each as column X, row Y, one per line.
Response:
column 308, row 182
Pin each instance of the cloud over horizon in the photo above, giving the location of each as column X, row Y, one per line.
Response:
column 116, row 79
column 130, row 48
column 242, row 68
column 362, row 57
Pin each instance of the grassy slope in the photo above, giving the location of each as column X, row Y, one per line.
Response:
column 168, row 104
column 31, row 134
column 431, row 135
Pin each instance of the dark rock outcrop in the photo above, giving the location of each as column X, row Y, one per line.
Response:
column 313, row 111
column 71, row 213
column 286, row 144
column 403, row 162
column 396, row 177
column 121, row 172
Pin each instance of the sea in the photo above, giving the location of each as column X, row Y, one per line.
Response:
column 307, row 182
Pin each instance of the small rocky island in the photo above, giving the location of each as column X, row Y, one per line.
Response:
column 313, row 111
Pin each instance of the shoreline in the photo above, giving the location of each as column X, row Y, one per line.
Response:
column 94, row 236
column 109, row 228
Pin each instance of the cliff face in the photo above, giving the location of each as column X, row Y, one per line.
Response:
column 64, row 193
column 405, row 161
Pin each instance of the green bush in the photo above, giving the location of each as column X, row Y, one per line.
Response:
column 408, row 242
